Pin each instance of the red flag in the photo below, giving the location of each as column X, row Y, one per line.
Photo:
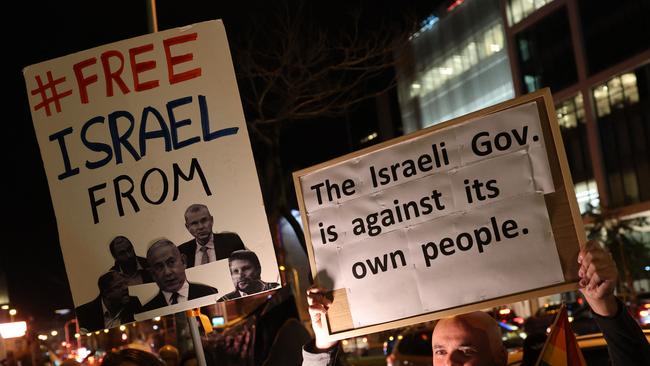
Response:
column 561, row 347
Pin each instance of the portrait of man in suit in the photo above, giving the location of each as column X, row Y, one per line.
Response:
column 167, row 267
column 111, row 308
column 206, row 245
column 246, row 273
column 134, row 268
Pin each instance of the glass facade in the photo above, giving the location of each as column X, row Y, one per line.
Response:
column 545, row 54
column 457, row 65
column 571, row 118
column 623, row 114
column 518, row 10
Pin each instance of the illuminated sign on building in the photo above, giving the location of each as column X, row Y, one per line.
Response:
column 13, row 330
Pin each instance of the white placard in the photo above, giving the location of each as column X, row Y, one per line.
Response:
column 132, row 134
column 375, row 220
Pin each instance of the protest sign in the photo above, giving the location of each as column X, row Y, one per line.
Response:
column 151, row 174
column 471, row 213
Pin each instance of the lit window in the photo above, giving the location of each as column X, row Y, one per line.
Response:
column 449, row 67
column 499, row 37
column 587, row 196
column 518, row 10
column 616, row 93
column 528, row 6
column 532, row 82
column 459, row 61
column 602, row 103
column 580, row 108
column 570, row 112
column 472, row 55
column 629, row 88
column 415, row 89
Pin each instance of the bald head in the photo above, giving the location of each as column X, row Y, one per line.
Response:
column 468, row 339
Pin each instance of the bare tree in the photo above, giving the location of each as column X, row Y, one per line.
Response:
column 296, row 64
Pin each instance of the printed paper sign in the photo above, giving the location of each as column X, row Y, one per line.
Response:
column 448, row 218
column 151, row 175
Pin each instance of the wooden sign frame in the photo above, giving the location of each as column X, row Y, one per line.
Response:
column 561, row 205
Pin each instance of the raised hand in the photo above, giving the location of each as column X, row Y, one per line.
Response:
column 318, row 306
column 598, row 275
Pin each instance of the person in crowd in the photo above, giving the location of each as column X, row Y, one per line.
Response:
column 167, row 267
column 131, row 357
column 189, row 359
column 70, row 362
column 170, row 355
column 134, row 268
column 10, row 360
column 246, row 272
column 474, row 338
column 111, row 308
column 206, row 245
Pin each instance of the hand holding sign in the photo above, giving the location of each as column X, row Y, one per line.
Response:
column 598, row 276
column 318, row 306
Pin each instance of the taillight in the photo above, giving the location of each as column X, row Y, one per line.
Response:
column 390, row 360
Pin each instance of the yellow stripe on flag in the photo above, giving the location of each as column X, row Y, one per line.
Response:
column 561, row 347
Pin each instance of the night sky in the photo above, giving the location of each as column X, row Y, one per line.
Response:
column 31, row 257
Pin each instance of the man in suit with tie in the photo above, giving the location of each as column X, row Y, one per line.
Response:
column 111, row 308
column 167, row 266
column 206, row 246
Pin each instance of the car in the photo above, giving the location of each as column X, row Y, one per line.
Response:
column 580, row 316
column 412, row 347
column 593, row 347
column 511, row 326
column 642, row 311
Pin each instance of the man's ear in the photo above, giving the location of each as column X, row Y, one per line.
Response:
column 184, row 259
column 187, row 226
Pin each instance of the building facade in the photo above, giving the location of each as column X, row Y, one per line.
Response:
column 594, row 55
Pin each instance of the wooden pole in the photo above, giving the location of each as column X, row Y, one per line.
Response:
column 152, row 16
column 196, row 339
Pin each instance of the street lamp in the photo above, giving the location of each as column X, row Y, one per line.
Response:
column 66, row 329
column 12, row 313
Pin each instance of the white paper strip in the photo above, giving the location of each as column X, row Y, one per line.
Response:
column 489, row 252
column 373, row 270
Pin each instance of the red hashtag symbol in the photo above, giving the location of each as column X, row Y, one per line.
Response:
column 56, row 96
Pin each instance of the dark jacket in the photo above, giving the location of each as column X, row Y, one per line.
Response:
column 235, row 294
column 91, row 317
column 196, row 290
column 626, row 342
column 224, row 244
